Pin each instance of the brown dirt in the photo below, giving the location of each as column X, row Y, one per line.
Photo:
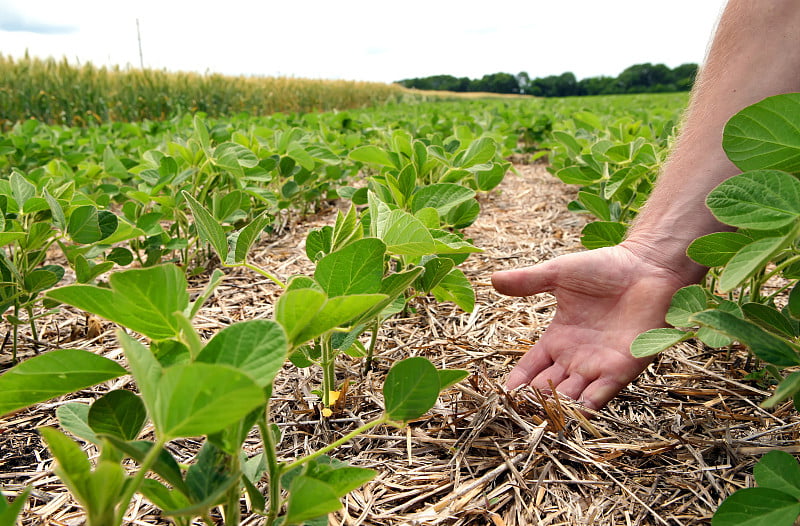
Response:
column 668, row 450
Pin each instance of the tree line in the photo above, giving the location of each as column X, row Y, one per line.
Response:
column 639, row 78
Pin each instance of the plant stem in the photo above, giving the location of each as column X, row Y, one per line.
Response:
column 144, row 467
column 349, row 436
column 274, row 469
column 372, row 341
column 231, row 509
column 328, row 371
column 258, row 270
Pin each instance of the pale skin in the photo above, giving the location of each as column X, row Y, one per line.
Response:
column 606, row 297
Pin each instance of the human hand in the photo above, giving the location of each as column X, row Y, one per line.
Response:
column 606, row 297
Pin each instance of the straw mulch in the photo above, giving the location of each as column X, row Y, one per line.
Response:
column 668, row 450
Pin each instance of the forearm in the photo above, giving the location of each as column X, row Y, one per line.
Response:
column 755, row 53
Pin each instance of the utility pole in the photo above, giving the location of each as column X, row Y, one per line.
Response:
column 139, row 37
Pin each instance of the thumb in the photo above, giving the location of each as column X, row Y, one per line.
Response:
column 526, row 281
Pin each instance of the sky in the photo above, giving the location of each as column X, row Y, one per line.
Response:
column 365, row 40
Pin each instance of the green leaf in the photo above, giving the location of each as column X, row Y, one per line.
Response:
column 450, row 377
column 769, row 318
column 600, row 234
column 74, row 417
column 794, row 301
column 479, row 152
column 198, row 398
column 165, row 465
column 582, row 175
column 145, row 368
column 144, row 300
column 43, row 278
column 404, row 234
column 119, row 413
column 685, row 303
column 354, row 269
column 788, row 387
column 411, row 389
column 766, row 346
column 596, row 205
column 442, row 197
column 73, row 468
column 765, row 135
column 456, row 287
column 757, row 507
column 84, row 225
column 761, row 200
column 336, row 312
column 715, row 250
column 656, row 340
column 436, row 269
column 59, row 219
column 296, row 308
column 208, row 228
column 9, row 512
column 52, row 374
column 249, row 235
column 21, row 188
column 210, row 476
column 715, row 339
column 751, row 258
column 373, row 155
column 256, row 347
column 310, row 498
column 778, row 470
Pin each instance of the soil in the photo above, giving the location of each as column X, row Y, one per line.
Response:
column 667, row 450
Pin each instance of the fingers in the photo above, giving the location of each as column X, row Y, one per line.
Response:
column 530, row 365
column 525, row 281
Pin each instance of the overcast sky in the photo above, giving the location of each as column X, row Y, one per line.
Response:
column 364, row 39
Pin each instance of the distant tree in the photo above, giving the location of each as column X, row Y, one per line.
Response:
column 639, row 78
column 496, row 83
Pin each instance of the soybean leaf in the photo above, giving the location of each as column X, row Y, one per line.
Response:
column 103, row 491
column 462, row 215
column 582, row 175
column 164, row 497
column 778, row 470
column 757, row 507
column 404, row 234
column 436, row 269
column 53, row 374
column 442, row 197
column 487, row 180
column 59, row 219
column 21, row 188
column 209, row 477
column 147, row 371
column 213, row 283
column 764, row 135
column 73, row 468
column 392, row 286
column 450, row 377
column 256, row 347
column 749, row 260
column 119, row 413
column 319, row 242
column 479, row 152
column 354, row 269
column 766, row 346
column 165, row 465
column 249, row 235
column 310, row 498
column 74, row 417
column 455, row 287
column 208, row 228
column 715, row 250
column 338, row 311
column 686, row 302
column 600, row 234
column 372, row 154
column 198, row 399
column 596, row 205
column 656, row 340
column 9, row 511
column 769, row 318
column 411, row 389
column 789, row 386
column 144, row 300
column 43, row 278
column 761, row 200
column 296, row 308
column 343, row 479
column 715, row 339
column 794, row 301
column 84, row 225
